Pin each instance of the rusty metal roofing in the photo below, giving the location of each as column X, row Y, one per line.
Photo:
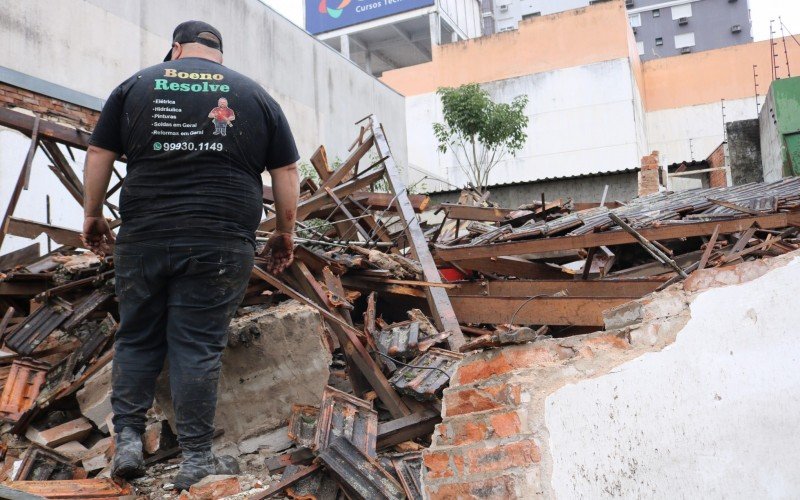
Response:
column 347, row 416
column 428, row 375
column 38, row 326
column 359, row 475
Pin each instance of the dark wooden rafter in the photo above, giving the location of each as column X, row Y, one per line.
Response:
column 438, row 301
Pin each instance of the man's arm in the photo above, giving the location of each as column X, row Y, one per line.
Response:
column 286, row 190
column 97, row 234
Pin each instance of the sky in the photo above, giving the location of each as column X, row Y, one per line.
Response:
column 761, row 11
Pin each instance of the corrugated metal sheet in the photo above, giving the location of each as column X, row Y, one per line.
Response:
column 441, row 188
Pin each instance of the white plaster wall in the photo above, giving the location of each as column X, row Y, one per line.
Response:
column 669, row 131
column 64, row 210
column 582, row 120
column 714, row 415
column 92, row 45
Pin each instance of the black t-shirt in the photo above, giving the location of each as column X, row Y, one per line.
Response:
column 197, row 136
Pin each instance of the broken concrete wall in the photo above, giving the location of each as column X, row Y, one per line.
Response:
column 695, row 394
column 275, row 358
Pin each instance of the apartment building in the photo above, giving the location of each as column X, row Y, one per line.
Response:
column 662, row 28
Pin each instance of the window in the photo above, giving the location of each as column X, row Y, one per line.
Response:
column 657, row 13
column 684, row 40
column 659, row 42
column 680, row 11
column 640, row 45
column 635, row 20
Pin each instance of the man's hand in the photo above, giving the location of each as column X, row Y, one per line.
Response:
column 97, row 235
column 279, row 252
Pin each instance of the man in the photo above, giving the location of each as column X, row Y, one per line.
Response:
column 222, row 116
column 190, row 205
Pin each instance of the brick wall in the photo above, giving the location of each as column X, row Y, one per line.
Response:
column 494, row 440
column 717, row 178
column 649, row 175
column 47, row 107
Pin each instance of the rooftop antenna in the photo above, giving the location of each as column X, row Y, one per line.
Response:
column 790, row 33
column 785, row 50
column 755, row 86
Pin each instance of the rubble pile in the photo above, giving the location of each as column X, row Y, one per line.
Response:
column 402, row 303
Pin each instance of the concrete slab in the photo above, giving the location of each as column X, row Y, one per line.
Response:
column 282, row 361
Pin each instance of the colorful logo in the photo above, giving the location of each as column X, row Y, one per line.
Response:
column 334, row 13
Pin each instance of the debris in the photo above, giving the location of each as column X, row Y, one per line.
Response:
column 74, row 430
column 426, row 376
column 358, row 474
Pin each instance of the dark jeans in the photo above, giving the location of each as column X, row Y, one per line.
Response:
column 176, row 299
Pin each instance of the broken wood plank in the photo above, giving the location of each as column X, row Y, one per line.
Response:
column 582, row 311
column 634, row 288
column 24, row 255
column 25, row 123
column 285, row 482
column 339, row 174
column 709, row 248
column 32, row 230
column 317, row 201
column 438, row 301
column 22, row 180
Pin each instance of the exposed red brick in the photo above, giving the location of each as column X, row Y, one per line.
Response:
column 506, row 360
column 609, row 340
column 500, row 487
column 213, row 487
column 474, row 400
column 502, row 457
column 438, row 464
column 505, row 424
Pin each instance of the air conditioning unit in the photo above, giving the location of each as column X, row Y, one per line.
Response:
column 503, row 8
column 629, row 4
column 683, row 21
column 736, row 28
column 686, row 50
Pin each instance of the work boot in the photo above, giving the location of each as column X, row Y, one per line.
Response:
column 198, row 464
column 128, row 462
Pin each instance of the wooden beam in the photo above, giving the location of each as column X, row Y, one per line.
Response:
column 24, row 255
column 581, row 311
column 49, row 130
column 320, row 199
column 319, row 160
column 483, row 214
column 514, row 266
column 340, row 173
column 438, row 301
column 575, row 288
column 665, row 232
column 31, row 229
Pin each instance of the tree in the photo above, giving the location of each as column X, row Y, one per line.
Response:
column 479, row 131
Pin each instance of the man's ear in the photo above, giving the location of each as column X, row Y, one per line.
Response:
column 176, row 50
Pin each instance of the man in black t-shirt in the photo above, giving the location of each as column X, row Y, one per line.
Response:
column 190, row 205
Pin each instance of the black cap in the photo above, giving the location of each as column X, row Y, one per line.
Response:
column 189, row 32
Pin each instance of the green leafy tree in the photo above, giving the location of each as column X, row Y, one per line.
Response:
column 478, row 131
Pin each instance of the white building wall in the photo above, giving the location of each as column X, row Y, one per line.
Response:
column 465, row 14
column 694, row 132
column 713, row 415
column 92, row 45
column 515, row 10
column 582, row 120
